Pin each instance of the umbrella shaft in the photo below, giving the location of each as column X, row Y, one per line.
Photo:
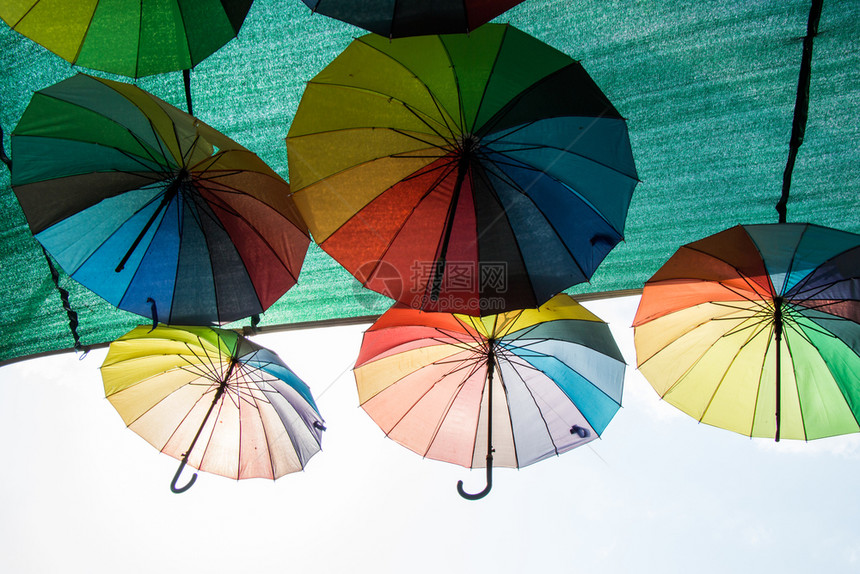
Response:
column 439, row 272
column 169, row 194
column 221, row 388
column 777, row 328
column 491, row 367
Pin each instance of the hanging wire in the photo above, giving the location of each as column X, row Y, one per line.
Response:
column 3, row 157
column 64, row 297
column 801, row 106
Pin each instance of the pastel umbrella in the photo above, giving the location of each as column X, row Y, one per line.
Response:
column 133, row 39
column 471, row 173
column 399, row 18
column 755, row 329
column 152, row 209
column 214, row 400
column 521, row 386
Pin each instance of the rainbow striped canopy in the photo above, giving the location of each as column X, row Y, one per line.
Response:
column 213, row 399
column 423, row 378
column 715, row 319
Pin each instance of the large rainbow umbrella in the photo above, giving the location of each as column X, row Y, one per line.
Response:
column 152, row 209
column 756, row 329
column 214, row 400
column 471, row 174
column 519, row 386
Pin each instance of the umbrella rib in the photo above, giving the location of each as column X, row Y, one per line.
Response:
column 802, row 295
column 754, row 287
column 723, row 376
column 475, row 367
column 522, row 195
column 249, row 222
column 528, row 389
column 390, row 243
column 162, row 161
column 417, row 113
column 472, row 364
column 799, row 398
column 486, row 87
column 524, row 165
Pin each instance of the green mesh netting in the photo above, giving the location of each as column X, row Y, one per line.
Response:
column 708, row 89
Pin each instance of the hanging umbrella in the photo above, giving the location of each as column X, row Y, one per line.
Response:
column 152, row 209
column 755, row 329
column 214, row 400
column 466, row 173
column 128, row 38
column 520, row 386
column 132, row 39
column 399, row 18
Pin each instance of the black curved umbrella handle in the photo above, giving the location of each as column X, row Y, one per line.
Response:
column 180, row 490
column 486, row 491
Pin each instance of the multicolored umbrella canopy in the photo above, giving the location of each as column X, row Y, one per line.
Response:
column 755, row 329
column 128, row 38
column 152, row 209
column 214, row 400
column 521, row 386
column 471, row 173
column 400, row 18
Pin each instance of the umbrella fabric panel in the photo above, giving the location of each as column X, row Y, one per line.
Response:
column 542, row 416
column 382, row 374
column 597, row 167
column 831, row 287
column 419, row 411
column 605, row 373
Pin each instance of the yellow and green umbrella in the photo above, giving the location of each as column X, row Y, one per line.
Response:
column 214, row 400
column 756, row 329
column 520, row 386
column 133, row 39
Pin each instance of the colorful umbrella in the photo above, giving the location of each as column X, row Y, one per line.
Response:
column 524, row 385
column 755, row 329
column 470, row 174
column 128, row 38
column 152, row 209
column 214, row 400
column 399, row 18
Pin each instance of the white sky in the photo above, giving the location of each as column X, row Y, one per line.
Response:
column 659, row 493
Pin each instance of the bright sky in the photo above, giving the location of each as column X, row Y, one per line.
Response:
column 658, row 493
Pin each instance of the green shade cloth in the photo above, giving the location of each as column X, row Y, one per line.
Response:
column 707, row 88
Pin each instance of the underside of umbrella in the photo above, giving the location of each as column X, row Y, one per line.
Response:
column 470, row 174
column 506, row 390
column 213, row 400
column 128, row 38
column 152, row 209
column 755, row 329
